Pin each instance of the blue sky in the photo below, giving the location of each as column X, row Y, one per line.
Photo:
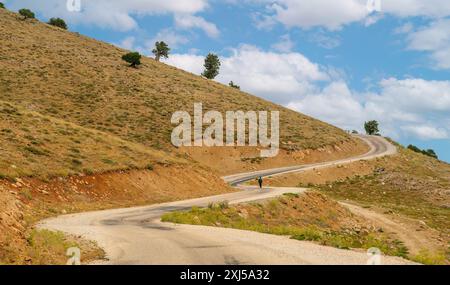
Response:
column 335, row 60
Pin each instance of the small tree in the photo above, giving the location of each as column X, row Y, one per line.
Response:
column 26, row 14
column 161, row 50
column 133, row 58
column 2, row 6
column 371, row 128
column 58, row 22
column 232, row 85
column 212, row 66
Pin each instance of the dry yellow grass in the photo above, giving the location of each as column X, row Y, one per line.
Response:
column 45, row 147
column 83, row 81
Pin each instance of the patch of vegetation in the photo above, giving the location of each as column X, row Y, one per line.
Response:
column 289, row 216
column 26, row 14
column 428, row 152
column 133, row 58
column 58, row 22
column 428, row 258
column 47, row 247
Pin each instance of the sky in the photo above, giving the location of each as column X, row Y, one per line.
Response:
column 344, row 62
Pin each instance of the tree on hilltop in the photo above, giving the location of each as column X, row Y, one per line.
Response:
column 161, row 50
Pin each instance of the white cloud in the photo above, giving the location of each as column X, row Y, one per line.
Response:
column 170, row 37
column 278, row 77
column 404, row 29
column 189, row 21
column 128, row 43
column 325, row 41
column 413, row 8
column 335, row 104
column 434, row 38
column 408, row 108
column 188, row 62
column 285, row 44
column 113, row 14
column 427, row 132
column 333, row 15
column 405, row 108
column 326, row 13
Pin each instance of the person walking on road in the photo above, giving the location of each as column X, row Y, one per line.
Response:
column 260, row 182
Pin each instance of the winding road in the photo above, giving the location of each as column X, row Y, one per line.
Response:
column 137, row 236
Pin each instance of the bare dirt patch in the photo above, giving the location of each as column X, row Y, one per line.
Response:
column 232, row 160
column 28, row 200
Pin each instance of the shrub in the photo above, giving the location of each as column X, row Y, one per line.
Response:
column 133, row 58
column 428, row 152
column 58, row 22
column 212, row 66
column 414, row 148
column 27, row 14
column 161, row 50
column 232, row 85
column 2, row 6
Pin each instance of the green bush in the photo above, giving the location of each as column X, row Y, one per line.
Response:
column 428, row 152
column 27, row 14
column 2, row 6
column 58, row 22
column 133, row 58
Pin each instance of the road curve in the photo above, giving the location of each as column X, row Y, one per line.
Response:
column 379, row 147
column 137, row 236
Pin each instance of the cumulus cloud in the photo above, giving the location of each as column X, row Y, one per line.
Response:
column 113, row 14
column 426, row 132
column 188, row 62
column 285, row 44
column 189, row 21
column 434, row 38
column 405, row 108
column 326, row 13
column 333, row 15
column 275, row 76
column 411, row 108
column 413, row 8
column 146, row 46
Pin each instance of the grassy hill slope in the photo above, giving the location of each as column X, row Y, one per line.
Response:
column 83, row 81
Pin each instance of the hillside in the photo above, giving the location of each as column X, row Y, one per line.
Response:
column 84, row 81
column 410, row 189
column 80, row 130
